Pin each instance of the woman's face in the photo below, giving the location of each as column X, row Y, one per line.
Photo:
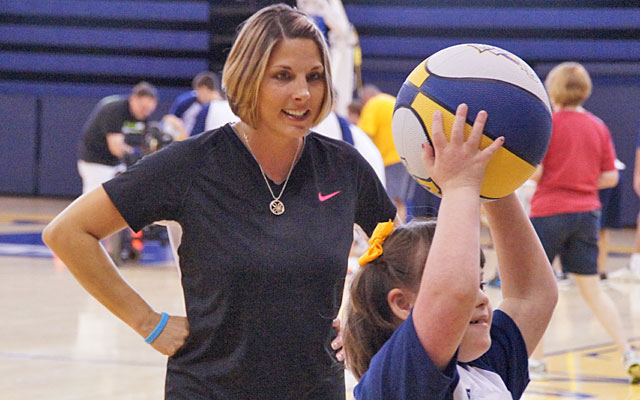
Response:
column 477, row 340
column 292, row 89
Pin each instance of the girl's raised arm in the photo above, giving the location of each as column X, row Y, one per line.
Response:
column 528, row 285
column 451, row 278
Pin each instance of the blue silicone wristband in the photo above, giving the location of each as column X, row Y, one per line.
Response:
column 156, row 332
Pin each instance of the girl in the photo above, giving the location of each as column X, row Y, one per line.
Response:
column 419, row 325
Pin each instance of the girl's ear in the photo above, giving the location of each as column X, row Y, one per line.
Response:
column 400, row 301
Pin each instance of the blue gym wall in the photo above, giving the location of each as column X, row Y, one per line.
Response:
column 59, row 57
column 602, row 35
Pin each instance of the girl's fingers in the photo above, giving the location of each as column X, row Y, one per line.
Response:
column 438, row 138
column 493, row 148
column 457, row 131
column 428, row 156
column 476, row 131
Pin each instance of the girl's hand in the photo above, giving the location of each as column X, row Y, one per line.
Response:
column 458, row 163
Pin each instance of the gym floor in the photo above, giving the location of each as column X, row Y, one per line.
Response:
column 59, row 343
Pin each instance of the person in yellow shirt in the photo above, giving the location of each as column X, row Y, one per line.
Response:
column 375, row 120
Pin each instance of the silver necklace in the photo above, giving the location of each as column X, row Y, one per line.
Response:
column 276, row 206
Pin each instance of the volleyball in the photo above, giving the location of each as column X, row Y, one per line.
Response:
column 485, row 78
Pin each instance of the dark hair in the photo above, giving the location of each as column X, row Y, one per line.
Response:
column 207, row 79
column 370, row 322
column 355, row 107
column 144, row 89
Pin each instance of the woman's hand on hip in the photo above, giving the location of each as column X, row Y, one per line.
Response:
column 173, row 336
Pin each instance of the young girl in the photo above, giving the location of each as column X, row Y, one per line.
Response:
column 419, row 325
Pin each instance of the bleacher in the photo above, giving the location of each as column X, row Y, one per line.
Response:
column 602, row 35
column 59, row 57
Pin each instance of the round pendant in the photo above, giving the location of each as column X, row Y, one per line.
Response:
column 277, row 207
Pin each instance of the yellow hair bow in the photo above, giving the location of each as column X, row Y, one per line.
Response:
column 383, row 229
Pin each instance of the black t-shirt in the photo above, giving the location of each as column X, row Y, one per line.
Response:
column 260, row 290
column 111, row 115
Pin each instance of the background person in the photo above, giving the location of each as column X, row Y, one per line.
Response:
column 353, row 111
column 610, row 218
column 565, row 207
column 219, row 114
column 337, row 127
column 375, row 121
column 634, row 262
column 332, row 19
column 190, row 107
column 267, row 209
column 102, row 149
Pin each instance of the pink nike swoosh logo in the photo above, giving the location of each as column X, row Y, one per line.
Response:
column 327, row 197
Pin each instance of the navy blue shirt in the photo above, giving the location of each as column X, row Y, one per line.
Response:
column 402, row 370
column 187, row 108
column 260, row 290
column 182, row 103
column 200, row 121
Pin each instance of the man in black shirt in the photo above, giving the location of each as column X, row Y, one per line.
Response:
column 103, row 146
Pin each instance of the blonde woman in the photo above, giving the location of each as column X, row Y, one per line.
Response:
column 267, row 210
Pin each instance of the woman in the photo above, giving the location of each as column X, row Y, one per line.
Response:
column 419, row 325
column 267, row 211
column 566, row 208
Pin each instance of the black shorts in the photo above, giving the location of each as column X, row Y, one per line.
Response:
column 574, row 237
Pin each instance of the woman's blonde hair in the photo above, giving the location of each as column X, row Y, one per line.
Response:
column 568, row 84
column 245, row 67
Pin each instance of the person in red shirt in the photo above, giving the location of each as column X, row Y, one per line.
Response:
column 565, row 208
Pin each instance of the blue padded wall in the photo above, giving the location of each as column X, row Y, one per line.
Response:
column 602, row 35
column 397, row 36
column 63, row 117
column 18, row 144
column 62, row 121
column 59, row 57
column 71, row 53
column 612, row 100
column 104, row 41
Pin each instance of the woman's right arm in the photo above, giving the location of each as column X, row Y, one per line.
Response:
column 74, row 236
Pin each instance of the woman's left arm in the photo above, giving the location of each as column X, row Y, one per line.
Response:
column 529, row 287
